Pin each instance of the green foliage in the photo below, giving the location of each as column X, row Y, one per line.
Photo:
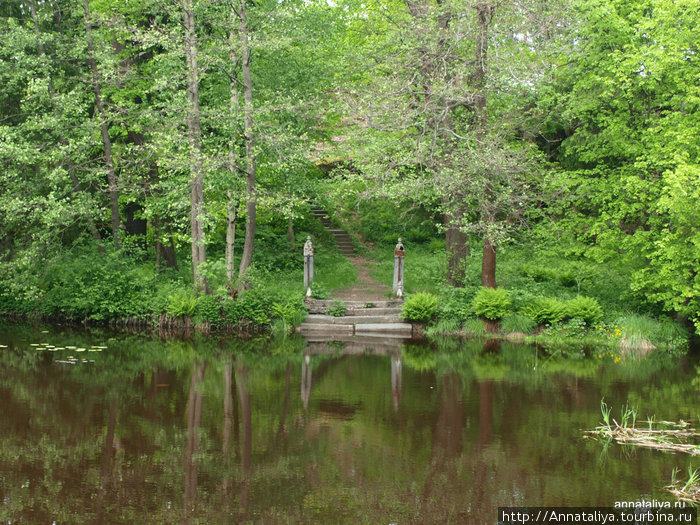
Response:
column 95, row 286
column 420, row 307
column 182, row 303
column 491, row 303
column 318, row 291
column 474, row 326
column 544, row 310
column 254, row 306
column 569, row 330
column 517, row 323
column 663, row 333
column 208, row 310
column 456, row 303
column 291, row 312
column 585, row 308
column 337, row 309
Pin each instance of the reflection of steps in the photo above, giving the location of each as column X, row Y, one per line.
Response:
column 357, row 345
column 380, row 319
column 340, row 236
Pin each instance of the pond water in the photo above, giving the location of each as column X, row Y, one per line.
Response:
column 110, row 428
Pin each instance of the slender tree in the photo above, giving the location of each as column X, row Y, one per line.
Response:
column 196, row 155
column 104, row 129
column 251, row 199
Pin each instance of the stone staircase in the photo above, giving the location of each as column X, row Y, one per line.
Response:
column 340, row 236
column 380, row 318
column 365, row 315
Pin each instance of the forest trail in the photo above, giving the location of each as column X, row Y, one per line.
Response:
column 368, row 309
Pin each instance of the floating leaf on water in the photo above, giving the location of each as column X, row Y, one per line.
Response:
column 71, row 347
column 3, row 346
column 100, row 347
column 44, row 344
column 44, row 331
column 94, row 350
column 34, row 344
column 79, row 349
column 56, row 348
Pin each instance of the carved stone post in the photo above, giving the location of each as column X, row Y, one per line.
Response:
column 308, row 265
column 399, row 256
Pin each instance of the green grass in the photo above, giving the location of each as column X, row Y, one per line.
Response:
column 529, row 273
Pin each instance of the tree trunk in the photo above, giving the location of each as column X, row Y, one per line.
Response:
column 247, row 257
column 106, row 141
column 164, row 251
column 290, row 230
column 195, row 140
column 457, row 250
column 484, row 14
column 488, row 265
column 230, row 235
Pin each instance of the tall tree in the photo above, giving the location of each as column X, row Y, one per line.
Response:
column 196, row 155
column 251, row 199
column 104, row 129
column 626, row 112
column 436, row 120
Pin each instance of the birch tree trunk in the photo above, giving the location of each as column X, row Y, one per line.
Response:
column 195, row 140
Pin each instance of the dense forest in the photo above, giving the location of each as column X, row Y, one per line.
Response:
column 165, row 156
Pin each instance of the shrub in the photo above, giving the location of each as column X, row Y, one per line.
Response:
column 254, row 305
column 182, row 303
column 491, row 303
column 517, row 323
column 456, row 303
column 544, row 310
column 337, row 309
column 207, row 310
column 585, row 308
column 420, row 307
column 291, row 312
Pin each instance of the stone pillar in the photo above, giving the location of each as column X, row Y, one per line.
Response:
column 399, row 256
column 308, row 265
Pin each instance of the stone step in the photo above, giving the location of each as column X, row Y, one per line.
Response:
column 358, row 311
column 351, row 319
column 388, row 303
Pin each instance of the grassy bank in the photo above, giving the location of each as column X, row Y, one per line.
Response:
column 89, row 285
column 545, row 299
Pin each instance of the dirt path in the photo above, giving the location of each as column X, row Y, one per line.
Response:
column 366, row 289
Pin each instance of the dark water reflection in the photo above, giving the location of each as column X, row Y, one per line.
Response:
column 221, row 431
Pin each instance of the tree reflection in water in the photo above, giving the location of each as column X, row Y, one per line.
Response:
column 458, row 430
